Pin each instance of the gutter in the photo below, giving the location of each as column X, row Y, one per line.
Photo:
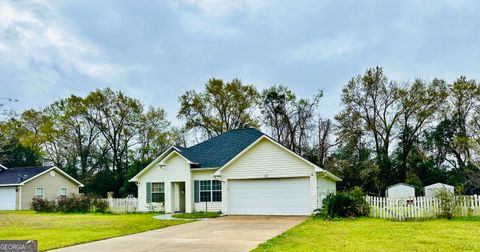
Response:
column 5, row 185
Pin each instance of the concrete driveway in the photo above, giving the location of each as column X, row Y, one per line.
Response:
column 230, row 233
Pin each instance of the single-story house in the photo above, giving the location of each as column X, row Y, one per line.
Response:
column 19, row 185
column 400, row 190
column 240, row 172
column 431, row 190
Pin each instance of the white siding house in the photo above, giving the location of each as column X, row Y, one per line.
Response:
column 433, row 189
column 325, row 186
column 400, row 190
column 240, row 172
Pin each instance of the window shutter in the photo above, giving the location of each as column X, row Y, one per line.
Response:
column 149, row 192
column 196, row 191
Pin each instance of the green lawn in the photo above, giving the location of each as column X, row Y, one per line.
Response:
column 199, row 215
column 365, row 234
column 54, row 230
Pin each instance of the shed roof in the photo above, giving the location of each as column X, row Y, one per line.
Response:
column 398, row 184
column 439, row 185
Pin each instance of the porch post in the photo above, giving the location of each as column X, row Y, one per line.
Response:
column 168, row 197
column 225, row 196
column 188, row 196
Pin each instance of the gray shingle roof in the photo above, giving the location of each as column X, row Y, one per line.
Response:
column 218, row 150
column 17, row 175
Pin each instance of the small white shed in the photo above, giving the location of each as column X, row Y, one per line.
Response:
column 400, row 190
column 431, row 190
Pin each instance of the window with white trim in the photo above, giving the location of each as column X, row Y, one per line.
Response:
column 39, row 192
column 63, row 192
column 158, row 192
column 216, row 190
column 207, row 191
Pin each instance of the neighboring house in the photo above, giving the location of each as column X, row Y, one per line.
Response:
column 242, row 171
column 19, row 185
column 400, row 190
column 431, row 190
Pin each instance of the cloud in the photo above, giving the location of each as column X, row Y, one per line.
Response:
column 217, row 19
column 44, row 57
column 223, row 8
column 336, row 47
column 33, row 40
column 156, row 51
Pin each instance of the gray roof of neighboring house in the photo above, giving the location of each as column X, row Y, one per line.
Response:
column 218, row 150
column 16, row 175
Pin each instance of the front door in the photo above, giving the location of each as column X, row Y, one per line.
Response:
column 178, row 196
column 182, row 197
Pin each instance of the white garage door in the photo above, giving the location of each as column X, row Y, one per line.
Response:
column 7, row 198
column 270, row 196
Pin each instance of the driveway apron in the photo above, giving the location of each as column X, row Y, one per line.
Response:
column 229, row 233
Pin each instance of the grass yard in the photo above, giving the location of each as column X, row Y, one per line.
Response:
column 198, row 215
column 55, row 230
column 366, row 234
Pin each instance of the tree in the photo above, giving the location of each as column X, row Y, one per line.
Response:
column 419, row 103
column 463, row 99
column 413, row 179
column 324, row 143
column 454, row 140
column 5, row 111
column 453, row 135
column 220, row 108
column 117, row 117
column 12, row 152
column 73, row 143
column 154, row 135
column 290, row 119
column 374, row 100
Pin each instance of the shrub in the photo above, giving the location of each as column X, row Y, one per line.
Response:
column 70, row 204
column 74, row 203
column 361, row 206
column 100, row 205
column 447, row 203
column 344, row 204
column 43, row 205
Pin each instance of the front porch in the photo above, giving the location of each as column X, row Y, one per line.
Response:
column 178, row 199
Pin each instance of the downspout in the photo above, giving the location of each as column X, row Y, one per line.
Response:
column 19, row 197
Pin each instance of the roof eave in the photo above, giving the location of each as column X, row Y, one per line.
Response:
column 50, row 169
column 397, row 184
column 5, row 185
column 204, row 168
column 159, row 159
column 327, row 174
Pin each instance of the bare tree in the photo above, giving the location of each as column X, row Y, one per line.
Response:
column 325, row 131
column 289, row 119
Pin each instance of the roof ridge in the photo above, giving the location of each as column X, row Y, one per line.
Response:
column 218, row 150
column 223, row 134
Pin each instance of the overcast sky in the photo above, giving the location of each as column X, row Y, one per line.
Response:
column 156, row 51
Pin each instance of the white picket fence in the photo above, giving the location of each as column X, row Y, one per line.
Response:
column 122, row 205
column 419, row 207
